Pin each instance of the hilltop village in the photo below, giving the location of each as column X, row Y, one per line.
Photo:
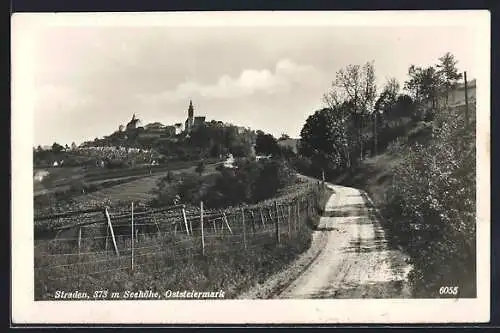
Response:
column 155, row 143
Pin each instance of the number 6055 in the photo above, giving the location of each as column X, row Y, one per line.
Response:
column 448, row 291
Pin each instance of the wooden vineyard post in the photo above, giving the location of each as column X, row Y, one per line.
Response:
column 298, row 214
column 185, row 219
column 202, row 233
column 79, row 241
column 299, row 211
column 227, row 223
column 244, row 229
column 466, row 100
column 289, row 223
column 262, row 218
column 106, row 240
column 157, row 225
column 108, row 218
column 79, row 259
column 277, row 223
column 132, row 246
column 253, row 222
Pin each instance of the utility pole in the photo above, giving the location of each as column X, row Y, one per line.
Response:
column 466, row 100
column 375, row 116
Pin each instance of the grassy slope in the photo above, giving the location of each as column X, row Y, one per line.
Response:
column 373, row 175
column 137, row 190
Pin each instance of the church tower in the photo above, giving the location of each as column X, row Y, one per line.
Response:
column 189, row 120
column 190, row 109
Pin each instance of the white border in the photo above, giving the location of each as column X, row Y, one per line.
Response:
column 25, row 310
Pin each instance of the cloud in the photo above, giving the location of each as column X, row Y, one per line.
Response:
column 249, row 82
column 57, row 99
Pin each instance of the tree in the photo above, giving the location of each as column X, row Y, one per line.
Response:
column 322, row 139
column 284, row 136
column 57, row 148
column 73, row 146
column 385, row 103
column 423, row 83
column 266, row 144
column 354, row 88
column 240, row 149
column 447, row 68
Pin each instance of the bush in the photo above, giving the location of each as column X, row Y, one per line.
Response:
column 431, row 209
column 275, row 174
column 116, row 164
column 200, row 168
column 251, row 182
column 421, row 132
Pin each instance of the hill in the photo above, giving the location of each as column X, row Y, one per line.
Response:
column 424, row 186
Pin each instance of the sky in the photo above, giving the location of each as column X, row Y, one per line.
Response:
column 91, row 79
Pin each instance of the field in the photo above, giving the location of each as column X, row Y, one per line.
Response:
column 60, row 179
column 135, row 190
column 62, row 189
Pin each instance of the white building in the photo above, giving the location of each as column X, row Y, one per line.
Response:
column 229, row 162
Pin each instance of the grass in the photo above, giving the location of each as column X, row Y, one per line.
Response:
column 61, row 177
column 322, row 198
column 131, row 187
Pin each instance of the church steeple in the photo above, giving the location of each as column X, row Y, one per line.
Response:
column 190, row 109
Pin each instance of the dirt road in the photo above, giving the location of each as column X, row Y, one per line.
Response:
column 349, row 257
column 355, row 261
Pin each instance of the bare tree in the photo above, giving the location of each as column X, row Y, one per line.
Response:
column 354, row 86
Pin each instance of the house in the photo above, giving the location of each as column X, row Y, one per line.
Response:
column 58, row 163
column 199, row 121
column 229, row 162
column 178, row 128
column 290, row 143
column 132, row 124
column 154, row 126
column 40, row 175
column 170, row 131
column 241, row 129
column 455, row 97
column 262, row 157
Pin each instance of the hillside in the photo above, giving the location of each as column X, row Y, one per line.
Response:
column 424, row 187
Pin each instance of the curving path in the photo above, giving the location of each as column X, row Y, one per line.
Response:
column 355, row 260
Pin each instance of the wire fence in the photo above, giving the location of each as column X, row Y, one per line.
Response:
column 87, row 244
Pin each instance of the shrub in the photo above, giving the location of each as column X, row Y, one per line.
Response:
column 191, row 188
column 421, row 132
column 200, row 168
column 251, row 182
column 116, row 164
column 275, row 174
column 431, row 209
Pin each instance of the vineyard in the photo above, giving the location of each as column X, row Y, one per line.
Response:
column 136, row 247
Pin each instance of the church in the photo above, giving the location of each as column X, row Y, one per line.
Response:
column 192, row 121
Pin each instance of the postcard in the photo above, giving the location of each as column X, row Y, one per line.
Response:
column 251, row 167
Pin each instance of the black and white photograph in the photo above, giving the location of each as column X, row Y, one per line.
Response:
column 229, row 160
